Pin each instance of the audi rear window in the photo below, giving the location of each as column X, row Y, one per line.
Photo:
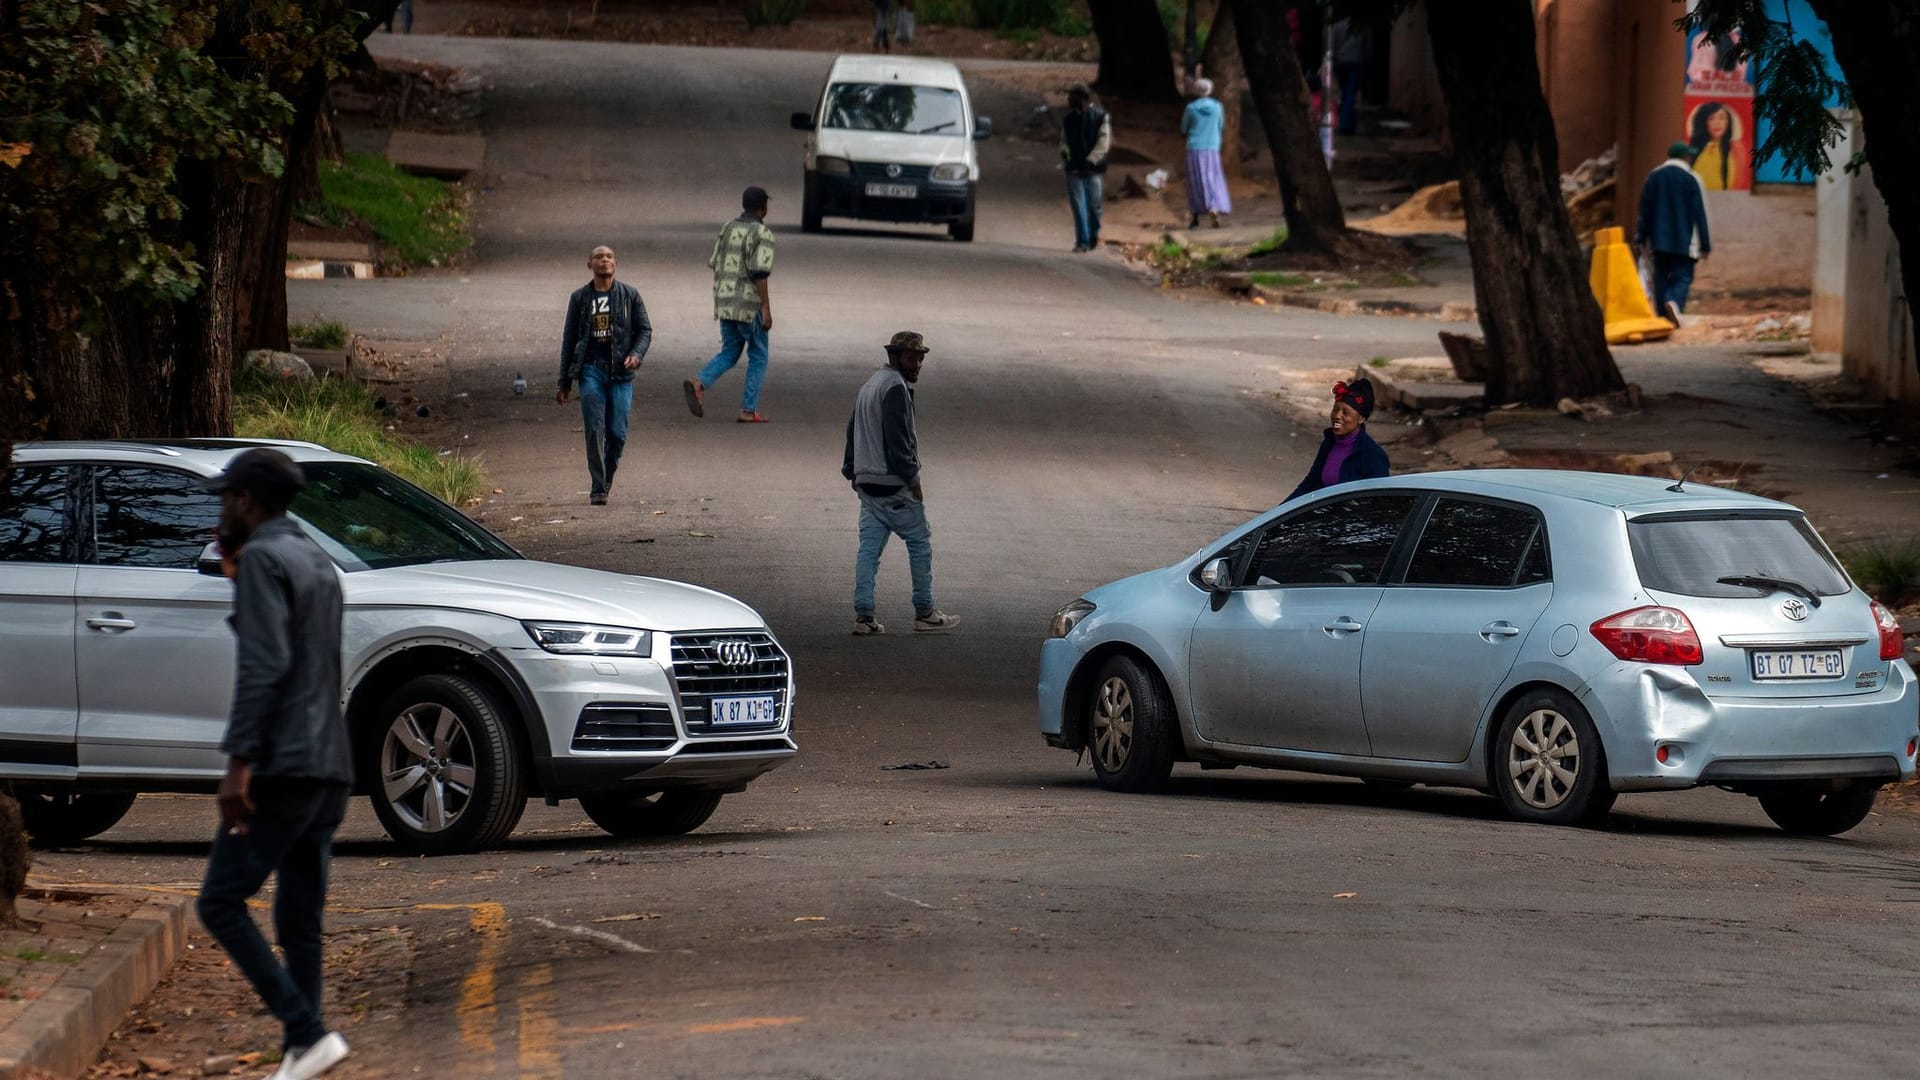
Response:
column 1688, row 554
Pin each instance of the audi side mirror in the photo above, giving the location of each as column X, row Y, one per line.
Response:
column 802, row 121
column 982, row 127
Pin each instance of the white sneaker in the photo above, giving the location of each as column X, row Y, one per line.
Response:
column 314, row 1060
column 935, row 620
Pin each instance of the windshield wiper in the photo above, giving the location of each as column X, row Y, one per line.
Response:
column 934, row 128
column 1762, row 581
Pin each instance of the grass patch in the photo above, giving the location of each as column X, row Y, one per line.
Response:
column 1271, row 244
column 420, row 220
column 1275, row 279
column 319, row 334
column 1890, row 570
column 1380, row 361
column 339, row 414
column 35, row 956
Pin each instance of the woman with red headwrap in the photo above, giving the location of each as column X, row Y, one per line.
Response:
column 1347, row 452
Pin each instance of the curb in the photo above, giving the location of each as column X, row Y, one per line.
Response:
column 62, row 1033
column 1421, row 309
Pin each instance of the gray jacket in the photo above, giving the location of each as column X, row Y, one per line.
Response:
column 286, row 720
column 882, row 446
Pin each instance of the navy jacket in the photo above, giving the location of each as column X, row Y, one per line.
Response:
column 632, row 333
column 1673, row 212
column 1366, row 462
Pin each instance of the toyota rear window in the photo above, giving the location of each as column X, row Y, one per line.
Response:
column 1688, row 554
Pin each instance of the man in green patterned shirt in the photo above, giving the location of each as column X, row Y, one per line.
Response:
column 742, row 261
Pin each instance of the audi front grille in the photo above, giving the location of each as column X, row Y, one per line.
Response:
column 741, row 663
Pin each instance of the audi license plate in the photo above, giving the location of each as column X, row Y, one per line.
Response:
column 1797, row 663
column 757, row 709
column 893, row 191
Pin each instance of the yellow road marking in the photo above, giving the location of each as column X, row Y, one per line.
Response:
column 539, row 1029
column 748, row 1023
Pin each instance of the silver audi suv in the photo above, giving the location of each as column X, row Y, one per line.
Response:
column 475, row 679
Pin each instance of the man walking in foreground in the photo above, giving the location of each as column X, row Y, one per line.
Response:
column 606, row 338
column 883, row 464
column 742, row 261
column 1085, row 138
column 1673, row 223
column 289, row 766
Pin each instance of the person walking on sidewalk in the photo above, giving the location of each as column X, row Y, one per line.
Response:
column 882, row 463
column 1203, row 123
column 1673, row 225
column 742, row 261
column 882, row 39
column 1347, row 452
column 1085, row 139
column 606, row 339
column 289, row 762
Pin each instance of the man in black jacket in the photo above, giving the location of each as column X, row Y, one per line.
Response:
column 606, row 338
column 289, row 759
column 1085, row 139
column 883, row 465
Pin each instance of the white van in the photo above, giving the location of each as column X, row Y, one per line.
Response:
column 892, row 140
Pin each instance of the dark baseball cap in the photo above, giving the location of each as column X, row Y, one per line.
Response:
column 262, row 472
column 754, row 198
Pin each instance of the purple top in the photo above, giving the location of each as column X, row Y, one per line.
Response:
column 1337, row 456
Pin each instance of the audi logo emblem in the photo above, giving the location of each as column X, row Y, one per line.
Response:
column 893, row 171
column 733, row 654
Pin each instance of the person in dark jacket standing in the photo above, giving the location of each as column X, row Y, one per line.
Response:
column 289, row 761
column 1086, row 136
column 883, row 464
column 1347, row 452
column 1673, row 224
column 606, row 338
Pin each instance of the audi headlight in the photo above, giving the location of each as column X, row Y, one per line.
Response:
column 590, row 639
column 832, row 166
column 953, row 170
column 1069, row 617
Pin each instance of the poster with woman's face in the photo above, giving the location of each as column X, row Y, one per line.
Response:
column 1719, row 111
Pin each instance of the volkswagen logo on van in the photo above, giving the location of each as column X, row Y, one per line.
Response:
column 893, row 172
column 1795, row 610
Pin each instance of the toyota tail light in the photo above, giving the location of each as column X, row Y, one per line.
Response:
column 1651, row 635
column 1893, row 642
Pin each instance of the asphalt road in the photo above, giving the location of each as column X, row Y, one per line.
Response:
column 1002, row 916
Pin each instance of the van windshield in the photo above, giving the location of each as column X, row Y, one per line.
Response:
column 894, row 107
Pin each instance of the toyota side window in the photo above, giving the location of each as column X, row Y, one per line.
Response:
column 1468, row 543
column 1344, row 542
column 33, row 515
column 152, row 518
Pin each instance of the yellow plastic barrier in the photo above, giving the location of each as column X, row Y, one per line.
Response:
column 1623, row 300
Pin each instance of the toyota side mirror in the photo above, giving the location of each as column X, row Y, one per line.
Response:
column 802, row 121
column 211, row 563
column 1217, row 576
column 982, row 127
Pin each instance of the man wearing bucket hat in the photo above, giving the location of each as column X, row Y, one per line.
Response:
column 882, row 463
column 1673, row 224
column 289, row 761
column 1347, row 452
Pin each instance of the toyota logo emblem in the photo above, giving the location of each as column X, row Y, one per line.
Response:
column 893, row 172
column 1795, row 610
column 733, row 654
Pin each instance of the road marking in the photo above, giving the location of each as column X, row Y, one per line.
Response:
column 750, row 1023
column 539, row 1029
column 911, row 900
column 614, row 940
column 479, row 1007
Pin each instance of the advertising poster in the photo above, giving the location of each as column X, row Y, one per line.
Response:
column 1719, row 112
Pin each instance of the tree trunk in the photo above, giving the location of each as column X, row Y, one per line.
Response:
column 260, row 317
column 1876, row 46
column 1222, row 64
column 1136, row 59
column 1314, row 217
column 1545, row 339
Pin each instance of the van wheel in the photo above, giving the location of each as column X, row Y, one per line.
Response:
column 1130, row 727
column 1548, row 765
column 58, row 818
column 961, row 231
column 1818, row 811
column 668, row 813
column 446, row 776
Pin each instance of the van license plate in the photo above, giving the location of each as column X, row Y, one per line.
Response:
column 758, row 709
column 893, row 191
column 1797, row 663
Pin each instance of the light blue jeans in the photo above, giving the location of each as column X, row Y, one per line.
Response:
column 736, row 334
column 604, row 404
column 1083, row 195
column 902, row 515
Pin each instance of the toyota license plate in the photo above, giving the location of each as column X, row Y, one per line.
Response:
column 1797, row 663
column 893, row 191
column 758, row 709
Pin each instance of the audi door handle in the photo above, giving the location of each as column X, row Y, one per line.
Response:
column 1342, row 625
column 1499, row 630
column 111, row 622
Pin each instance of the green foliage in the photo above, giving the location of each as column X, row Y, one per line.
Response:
column 419, row 219
column 774, row 12
column 339, row 414
column 1271, row 244
column 1793, row 85
column 1890, row 570
column 319, row 334
column 1277, row 280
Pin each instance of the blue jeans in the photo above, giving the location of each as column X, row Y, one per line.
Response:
column 1349, row 75
column 291, row 834
column 604, row 405
column 1672, row 277
column 735, row 335
column 902, row 515
column 1083, row 195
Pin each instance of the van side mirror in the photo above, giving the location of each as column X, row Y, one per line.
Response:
column 210, row 563
column 1217, row 576
column 982, row 127
column 802, row 121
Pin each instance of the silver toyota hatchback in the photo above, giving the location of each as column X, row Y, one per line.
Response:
column 474, row 678
column 1553, row 637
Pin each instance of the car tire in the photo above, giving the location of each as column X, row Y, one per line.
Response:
column 961, row 231
column 1537, row 738
column 809, row 207
column 1806, row 810
column 446, row 775
column 668, row 813
column 1130, row 727
column 58, row 818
